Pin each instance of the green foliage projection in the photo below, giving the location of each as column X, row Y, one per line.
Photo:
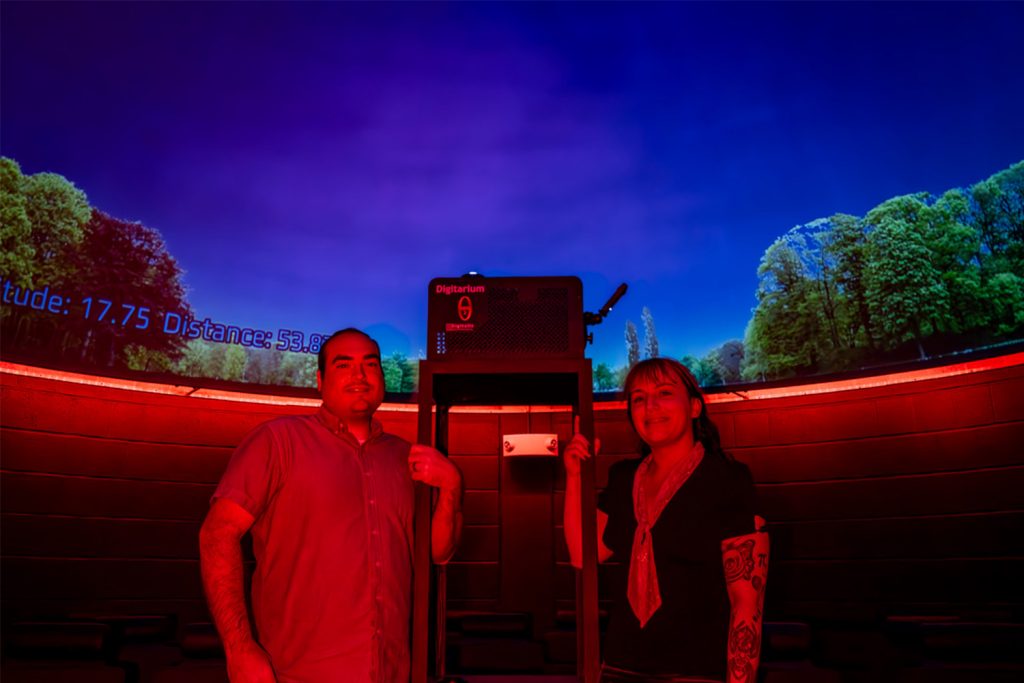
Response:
column 650, row 335
column 915, row 277
column 604, row 378
column 16, row 251
column 54, row 241
column 400, row 374
column 632, row 344
column 43, row 218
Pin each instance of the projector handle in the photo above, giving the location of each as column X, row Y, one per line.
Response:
column 596, row 318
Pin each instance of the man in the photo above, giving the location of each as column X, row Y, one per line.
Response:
column 329, row 500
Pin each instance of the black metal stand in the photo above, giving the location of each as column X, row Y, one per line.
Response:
column 448, row 383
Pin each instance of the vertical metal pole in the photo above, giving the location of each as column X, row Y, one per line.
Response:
column 421, row 538
column 588, row 666
column 441, row 605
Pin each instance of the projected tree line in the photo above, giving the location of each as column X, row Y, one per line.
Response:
column 83, row 288
column 59, row 256
column 917, row 276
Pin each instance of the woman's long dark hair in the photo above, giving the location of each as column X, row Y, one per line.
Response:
column 669, row 370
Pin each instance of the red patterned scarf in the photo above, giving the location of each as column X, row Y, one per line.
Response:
column 644, row 596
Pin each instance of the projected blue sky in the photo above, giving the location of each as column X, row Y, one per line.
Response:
column 315, row 165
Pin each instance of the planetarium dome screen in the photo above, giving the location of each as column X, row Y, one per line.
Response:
column 203, row 192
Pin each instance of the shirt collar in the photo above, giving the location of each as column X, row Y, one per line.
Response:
column 339, row 428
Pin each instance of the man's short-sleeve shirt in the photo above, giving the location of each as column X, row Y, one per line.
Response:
column 688, row 634
column 333, row 542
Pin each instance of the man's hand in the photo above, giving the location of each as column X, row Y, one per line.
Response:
column 429, row 466
column 577, row 450
column 249, row 665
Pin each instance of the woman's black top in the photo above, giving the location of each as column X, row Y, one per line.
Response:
column 689, row 632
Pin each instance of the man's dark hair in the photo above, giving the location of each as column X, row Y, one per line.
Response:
column 321, row 358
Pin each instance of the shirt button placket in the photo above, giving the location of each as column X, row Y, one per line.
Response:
column 373, row 516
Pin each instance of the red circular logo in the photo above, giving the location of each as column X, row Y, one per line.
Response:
column 465, row 308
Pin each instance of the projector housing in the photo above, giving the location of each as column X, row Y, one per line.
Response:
column 477, row 317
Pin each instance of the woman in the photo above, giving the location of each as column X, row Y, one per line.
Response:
column 687, row 599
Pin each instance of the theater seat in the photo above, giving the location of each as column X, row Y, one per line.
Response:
column 141, row 643
column 972, row 642
column 785, row 641
column 202, row 658
column 495, row 642
column 785, row 655
column 56, row 652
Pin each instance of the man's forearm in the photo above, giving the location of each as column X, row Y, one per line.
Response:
column 446, row 525
column 220, row 557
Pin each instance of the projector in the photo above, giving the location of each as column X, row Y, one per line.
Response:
column 476, row 317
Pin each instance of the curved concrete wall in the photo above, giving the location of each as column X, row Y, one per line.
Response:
column 900, row 498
